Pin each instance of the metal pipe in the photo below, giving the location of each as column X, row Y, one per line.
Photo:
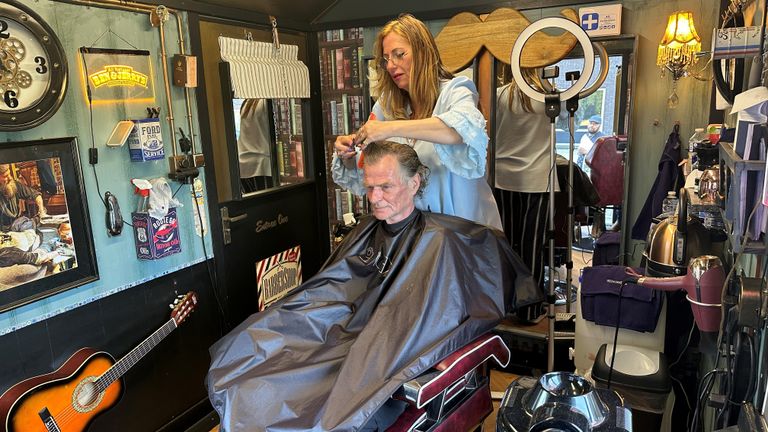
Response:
column 160, row 14
column 187, row 96
column 571, row 211
column 551, row 229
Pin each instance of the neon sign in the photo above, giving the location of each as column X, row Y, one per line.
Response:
column 110, row 76
column 118, row 75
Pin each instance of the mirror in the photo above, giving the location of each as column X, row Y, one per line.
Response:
column 254, row 144
column 268, row 133
column 258, row 145
column 270, row 151
column 522, row 149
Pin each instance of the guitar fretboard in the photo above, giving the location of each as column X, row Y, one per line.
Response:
column 118, row 369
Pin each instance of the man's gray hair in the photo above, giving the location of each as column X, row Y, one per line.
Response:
column 406, row 157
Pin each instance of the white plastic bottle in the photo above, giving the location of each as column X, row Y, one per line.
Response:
column 669, row 205
column 698, row 136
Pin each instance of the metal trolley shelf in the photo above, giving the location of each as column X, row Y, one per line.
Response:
column 732, row 169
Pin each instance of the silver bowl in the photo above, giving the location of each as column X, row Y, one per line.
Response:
column 566, row 389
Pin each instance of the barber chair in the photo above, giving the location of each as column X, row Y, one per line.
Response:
column 607, row 167
column 607, row 175
column 455, row 394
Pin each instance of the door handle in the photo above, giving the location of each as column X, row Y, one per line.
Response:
column 226, row 220
column 238, row 218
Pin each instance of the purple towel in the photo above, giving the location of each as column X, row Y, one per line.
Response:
column 640, row 306
column 607, row 248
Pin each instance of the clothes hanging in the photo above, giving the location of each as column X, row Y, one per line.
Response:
column 670, row 177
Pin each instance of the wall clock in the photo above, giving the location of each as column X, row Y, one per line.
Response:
column 33, row 68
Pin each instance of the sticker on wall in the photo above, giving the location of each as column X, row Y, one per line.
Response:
column 198, row 208
column 117, row 75
column 601, row 20
column 278, row 275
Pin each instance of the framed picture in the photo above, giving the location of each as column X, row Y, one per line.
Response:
column 46, row 244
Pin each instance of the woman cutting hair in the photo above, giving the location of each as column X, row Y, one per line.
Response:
column 423, row 105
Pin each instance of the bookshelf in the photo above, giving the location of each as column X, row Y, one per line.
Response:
column 290, row 141
column 342, row 77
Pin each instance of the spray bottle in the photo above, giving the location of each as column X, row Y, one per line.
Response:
column 143, row 188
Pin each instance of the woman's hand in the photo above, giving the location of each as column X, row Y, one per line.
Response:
column 373, row 130
column 345, row 146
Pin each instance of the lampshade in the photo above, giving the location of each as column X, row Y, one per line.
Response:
column 679, row 45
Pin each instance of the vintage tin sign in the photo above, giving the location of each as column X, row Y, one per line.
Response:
column 278, row 275
column 156, row 238
column 146, row 140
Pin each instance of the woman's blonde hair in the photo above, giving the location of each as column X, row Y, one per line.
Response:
column 426, row 72
column 532, row 77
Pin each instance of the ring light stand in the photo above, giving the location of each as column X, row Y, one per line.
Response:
column 552, row 102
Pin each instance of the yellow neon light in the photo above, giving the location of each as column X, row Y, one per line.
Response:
column 118, row 75
column 144, row 100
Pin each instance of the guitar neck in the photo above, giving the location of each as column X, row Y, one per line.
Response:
column 121, row 367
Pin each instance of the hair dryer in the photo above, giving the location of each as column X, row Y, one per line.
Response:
column 703, row 284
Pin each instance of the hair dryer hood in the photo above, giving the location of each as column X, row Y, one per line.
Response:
column 703, row 284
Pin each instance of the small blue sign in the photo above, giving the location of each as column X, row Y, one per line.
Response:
column 589, row 21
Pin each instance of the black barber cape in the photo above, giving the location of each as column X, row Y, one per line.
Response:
column 389, row 303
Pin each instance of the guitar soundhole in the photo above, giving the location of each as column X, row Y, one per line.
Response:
column 85, row 398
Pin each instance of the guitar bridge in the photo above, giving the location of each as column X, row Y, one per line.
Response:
column 48, row 420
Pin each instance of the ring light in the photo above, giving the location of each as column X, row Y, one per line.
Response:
column 561, row 23
column 604, row 63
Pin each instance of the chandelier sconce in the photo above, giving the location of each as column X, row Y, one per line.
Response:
column 678, row 50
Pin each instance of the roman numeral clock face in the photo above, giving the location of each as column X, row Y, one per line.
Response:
column 33, row 68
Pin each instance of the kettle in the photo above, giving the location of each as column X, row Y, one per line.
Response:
column 675, row 240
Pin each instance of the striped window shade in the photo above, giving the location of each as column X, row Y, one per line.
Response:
column 258, row 70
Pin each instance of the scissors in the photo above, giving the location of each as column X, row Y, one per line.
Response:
column 360, row 161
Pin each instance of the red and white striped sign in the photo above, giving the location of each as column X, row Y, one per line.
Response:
column 277, row 275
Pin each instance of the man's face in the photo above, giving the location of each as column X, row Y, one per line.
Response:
column 391, row 199
column 593, row 127
column 5, row 178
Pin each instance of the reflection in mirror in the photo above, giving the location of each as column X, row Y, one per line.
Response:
column 254, row 144
column 522, row 170
column 270, row 148
column 522, row 163
column 597, row 117
column 522, row 140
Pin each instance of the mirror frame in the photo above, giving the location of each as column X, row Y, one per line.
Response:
column 231, row 141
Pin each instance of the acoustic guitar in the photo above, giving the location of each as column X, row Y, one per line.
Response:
column 87, row 384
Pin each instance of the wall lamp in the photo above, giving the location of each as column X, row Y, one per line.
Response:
column 678, row 50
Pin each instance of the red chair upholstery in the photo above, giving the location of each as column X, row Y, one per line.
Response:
column 455, row 395
column 607, row 174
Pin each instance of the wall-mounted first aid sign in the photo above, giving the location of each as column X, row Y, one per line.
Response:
column 601, row 20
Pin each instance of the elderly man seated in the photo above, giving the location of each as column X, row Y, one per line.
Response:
column 403, row 290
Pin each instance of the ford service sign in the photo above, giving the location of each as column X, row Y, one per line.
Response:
column 601, row 20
